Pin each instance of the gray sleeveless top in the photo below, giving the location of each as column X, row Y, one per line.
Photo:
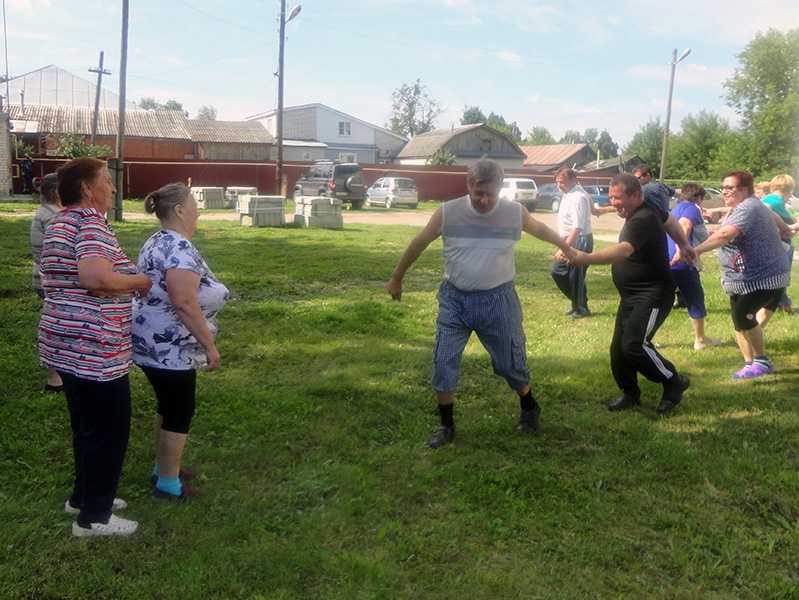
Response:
column 478, row 248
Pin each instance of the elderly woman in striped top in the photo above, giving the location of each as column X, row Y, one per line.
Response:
column 85, row 335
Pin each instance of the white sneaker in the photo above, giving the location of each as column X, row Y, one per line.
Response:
column 119, row 504
column 115, row 526
column 709, row 341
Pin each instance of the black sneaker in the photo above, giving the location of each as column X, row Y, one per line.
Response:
column 529, row 421
column 187, row 493
column 672, row 394
column 581, row 313
column 443, row 435
column 624, row 402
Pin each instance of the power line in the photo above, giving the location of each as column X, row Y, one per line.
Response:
column 216, row 17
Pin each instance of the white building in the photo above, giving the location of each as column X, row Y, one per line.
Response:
column 348, row 138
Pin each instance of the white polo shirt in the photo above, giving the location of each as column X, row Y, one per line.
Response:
column 575, row 212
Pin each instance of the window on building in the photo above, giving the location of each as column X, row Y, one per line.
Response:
column 306, row 156
column 347, row 157
column 485, row 145
column 344, row 128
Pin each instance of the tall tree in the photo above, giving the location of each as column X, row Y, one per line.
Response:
column 590, row 137
column 539, row 135
column 764, row 91
column 605, row 147
column 413, row 110
column 570, row 136
column 647, row 143
column 173, row 105
column 472, row 115
column 150, row 103
column 206, row 113
column 498, row 122
column 694, row 148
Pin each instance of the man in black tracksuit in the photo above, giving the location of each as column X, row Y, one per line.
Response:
column 642, row 276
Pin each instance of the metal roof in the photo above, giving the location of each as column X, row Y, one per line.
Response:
column 550, row 154
column 426, row 144
column 233, row 132
column 165, row 124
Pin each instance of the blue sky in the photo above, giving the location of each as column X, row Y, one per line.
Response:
column 562, row 65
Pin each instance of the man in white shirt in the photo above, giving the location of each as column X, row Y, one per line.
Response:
column 574, row 227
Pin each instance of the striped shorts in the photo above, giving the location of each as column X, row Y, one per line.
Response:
column 495, row 315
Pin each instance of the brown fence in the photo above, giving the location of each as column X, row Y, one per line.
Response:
column 143, row 176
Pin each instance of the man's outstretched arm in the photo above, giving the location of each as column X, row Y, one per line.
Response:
column 542, row 232
column 430, row 232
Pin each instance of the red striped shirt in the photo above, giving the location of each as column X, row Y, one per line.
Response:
column 81, row 334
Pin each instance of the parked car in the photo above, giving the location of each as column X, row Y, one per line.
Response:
column 336, row 180
column 521, row 190
column 393, row 191
column 548, row 197
column 598, row 193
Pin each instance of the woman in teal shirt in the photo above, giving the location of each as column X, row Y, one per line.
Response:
column 782, row 187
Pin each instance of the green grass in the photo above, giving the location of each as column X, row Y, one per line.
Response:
column 316, row 481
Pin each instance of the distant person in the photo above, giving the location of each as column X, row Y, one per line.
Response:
column 574, row 227
column 477, row 294
column 754, row 268
column 688, row 214
column 641, row 275
column 762, row 189
column 174, row 329
column 49, row 208
column 654, row 191
column 781, row 188
column 84, row 334
column 26, row 170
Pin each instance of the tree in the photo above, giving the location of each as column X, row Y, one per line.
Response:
column 498, row 122
column 590, row 136
column 472, row 115
column 442, row 158
column 647, row 143
column 149, row 103
column 695, row 147
column 74, row 146
column 764, row 91
column 538, row 136
column 570, row 136
column 605, row 147
column 413, row 110
column 206, row 113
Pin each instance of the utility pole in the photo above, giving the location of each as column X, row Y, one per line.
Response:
column 674, row 61
column 120, row 160
column 100, row 72
column 281, row 52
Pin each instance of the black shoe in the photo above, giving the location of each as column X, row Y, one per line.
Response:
column 443, row 435
column 581, row 313
column 672, row 394
column 187, row 493
column 624, row 402
column 53, row 389
column 529, row 421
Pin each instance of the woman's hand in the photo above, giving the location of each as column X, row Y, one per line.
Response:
column 214, row 358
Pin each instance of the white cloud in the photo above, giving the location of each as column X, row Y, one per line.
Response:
column 614, row 20
column 688, row 74
column 28, row 8
column 510, row 57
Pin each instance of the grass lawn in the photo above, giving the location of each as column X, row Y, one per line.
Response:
column 310, row 444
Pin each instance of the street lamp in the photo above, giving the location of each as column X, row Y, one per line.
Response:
column 283, row 20
column 674, row 61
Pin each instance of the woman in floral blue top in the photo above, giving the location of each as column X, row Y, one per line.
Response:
column 174, row 329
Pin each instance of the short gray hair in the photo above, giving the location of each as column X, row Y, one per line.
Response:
column 486, row 170
column 163, row 201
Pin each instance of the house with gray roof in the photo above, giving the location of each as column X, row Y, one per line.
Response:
column 548, row 158
column 467, row 143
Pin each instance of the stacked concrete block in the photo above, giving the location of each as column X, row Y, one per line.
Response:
column 209, row 197
column 233, row 193
column 318, row 211
column 262, row 211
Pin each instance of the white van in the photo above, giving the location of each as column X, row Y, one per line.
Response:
column 520, row 189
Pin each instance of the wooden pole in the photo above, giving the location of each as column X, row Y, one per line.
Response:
column 100, row 72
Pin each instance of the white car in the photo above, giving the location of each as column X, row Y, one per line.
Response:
column 520, row 189
column 393, row 191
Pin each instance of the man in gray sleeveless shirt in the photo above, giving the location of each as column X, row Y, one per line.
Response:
column 479, row 231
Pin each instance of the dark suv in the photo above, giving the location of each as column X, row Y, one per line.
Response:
column 336, row 180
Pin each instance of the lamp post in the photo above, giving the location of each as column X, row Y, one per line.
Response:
column 674, row 61
column 281, row 54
